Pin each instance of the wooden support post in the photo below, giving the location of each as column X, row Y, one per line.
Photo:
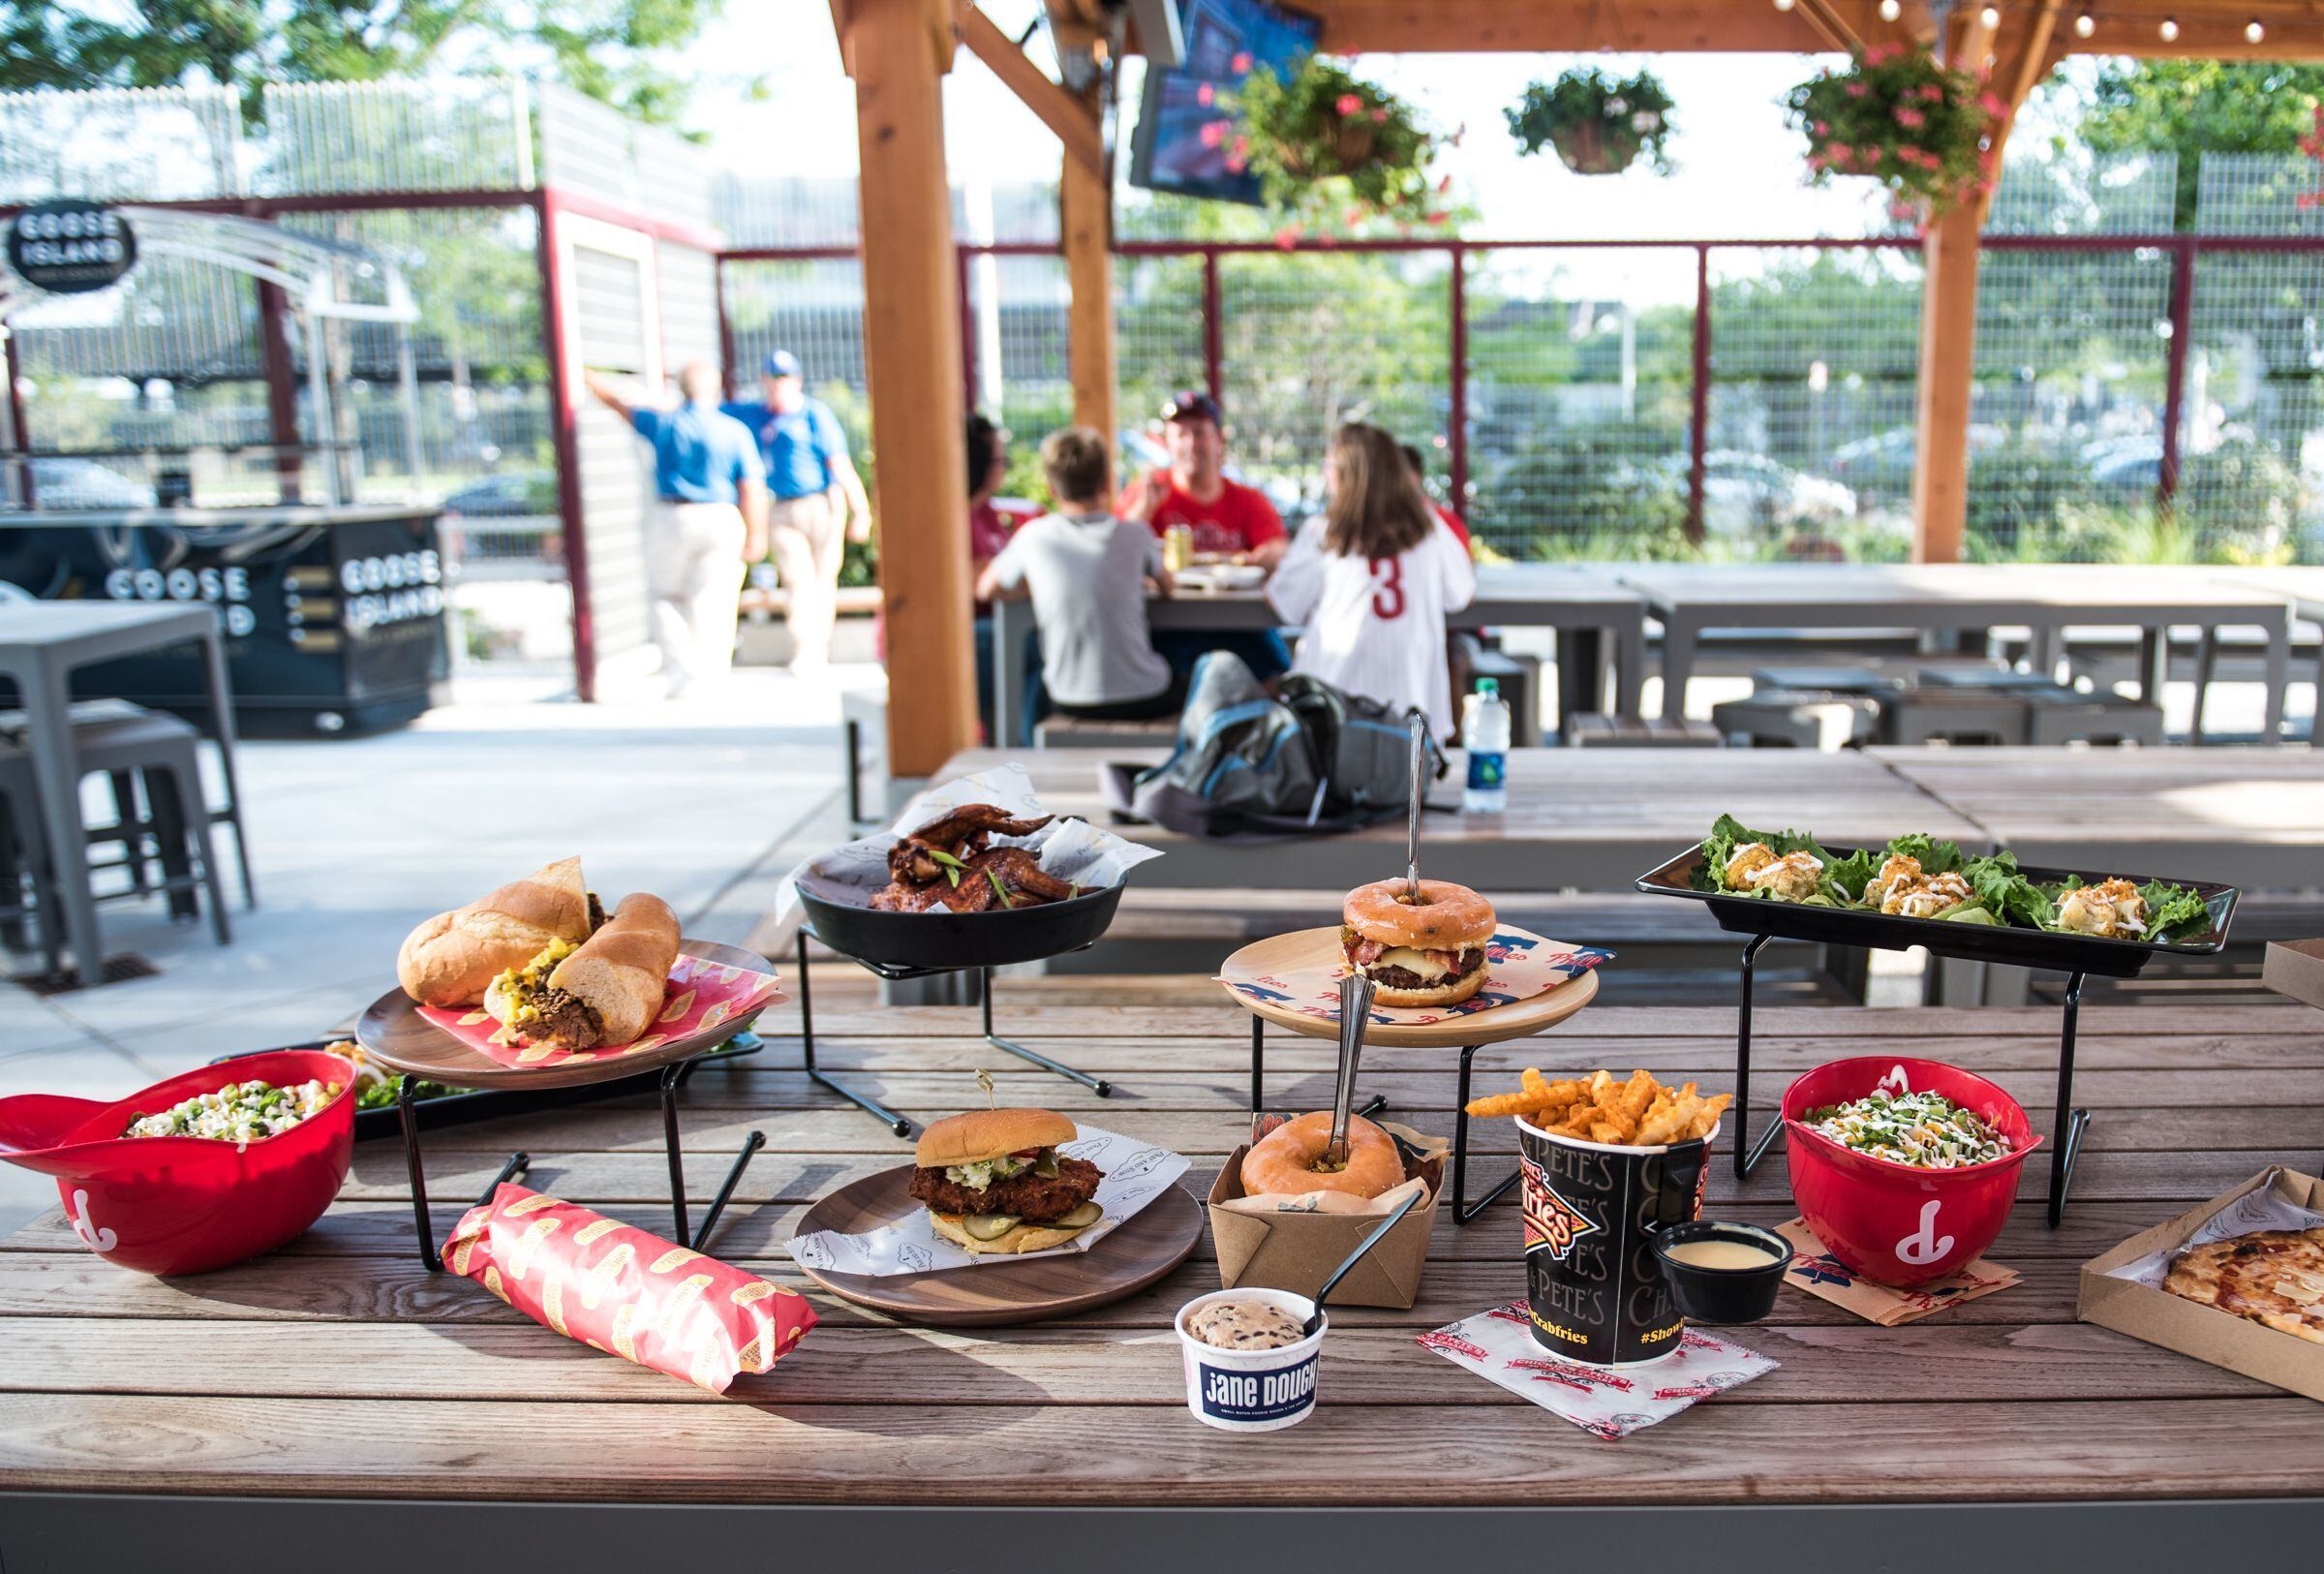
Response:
column 898, row 51
column 1086, row 221
column 1949, row 349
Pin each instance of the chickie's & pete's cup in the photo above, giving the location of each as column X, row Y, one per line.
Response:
column 1593, row 1283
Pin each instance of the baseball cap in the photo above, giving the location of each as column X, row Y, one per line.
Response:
column 782, row 363
column 1191, row 405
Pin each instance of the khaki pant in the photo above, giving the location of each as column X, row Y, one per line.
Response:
column 805, row 535
column 694, row 571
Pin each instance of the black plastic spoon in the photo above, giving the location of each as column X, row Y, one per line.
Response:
column 1379, row 1234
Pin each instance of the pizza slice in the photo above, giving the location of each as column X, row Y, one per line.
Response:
column 2270, row 1277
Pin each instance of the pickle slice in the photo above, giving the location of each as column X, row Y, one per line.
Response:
column 989, row 1226
column 1088, row 1213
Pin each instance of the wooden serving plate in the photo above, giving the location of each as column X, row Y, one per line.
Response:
column 393, row 1032
column 1306, row 950
column 1152, row 1241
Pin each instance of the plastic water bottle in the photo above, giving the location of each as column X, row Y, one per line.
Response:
column 1484, row 730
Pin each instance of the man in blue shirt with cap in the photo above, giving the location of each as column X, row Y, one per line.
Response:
column 709, row 519
column 811, row 477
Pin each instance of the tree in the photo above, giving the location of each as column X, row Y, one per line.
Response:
column 2198, row 107
column 611, row 50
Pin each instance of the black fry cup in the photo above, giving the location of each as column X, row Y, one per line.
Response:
column 1594, row 1285
column 1723, row 1295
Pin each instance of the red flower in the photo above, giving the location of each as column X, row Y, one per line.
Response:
column 1287, row 238
column 1213, row 133
column 1443, row 185
column 1859, row 91
column 1349, row 104
column 1993, row 105
column 1241, row 62
column 1909, row 118
column 1821, row 128
column 1436, row 216
column 1380, row 115
column 1204, row 94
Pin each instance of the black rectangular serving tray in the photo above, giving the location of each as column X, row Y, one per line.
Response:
column 2005, row 943
column 470, row 1105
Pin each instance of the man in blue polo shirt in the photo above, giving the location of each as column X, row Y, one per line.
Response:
column 812, row 478
column 709, row 519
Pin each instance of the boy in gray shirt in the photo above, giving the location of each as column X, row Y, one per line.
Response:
column 1087, row 572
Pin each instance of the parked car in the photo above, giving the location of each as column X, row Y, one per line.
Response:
column 1748, row 494
column 1882, row 463
column 508, row 494
column 84, row 484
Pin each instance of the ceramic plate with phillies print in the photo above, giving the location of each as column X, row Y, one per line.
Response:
column 1530, row 983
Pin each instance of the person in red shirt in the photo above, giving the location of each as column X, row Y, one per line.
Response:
column 1229, row 518
column 1453, row 521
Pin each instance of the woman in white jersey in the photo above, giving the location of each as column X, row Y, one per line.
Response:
column 1371, row 579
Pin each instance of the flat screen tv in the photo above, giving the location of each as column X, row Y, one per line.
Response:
column 1185, row 124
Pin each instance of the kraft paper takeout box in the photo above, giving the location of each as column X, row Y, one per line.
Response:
column 1298, row 1252
column 2295, row 968
column 2203, row 1332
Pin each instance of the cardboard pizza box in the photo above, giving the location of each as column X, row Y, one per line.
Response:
column 2295, row 968
column 2206, row 1333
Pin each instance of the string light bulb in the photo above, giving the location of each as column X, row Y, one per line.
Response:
column 1891, row 10
column 1784, row 5
column 2169, row 30
column 1991, row 17
column 2085, row 24
column 2253, row 32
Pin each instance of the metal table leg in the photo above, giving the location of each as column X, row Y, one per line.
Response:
column 2066, row 1144
column 807, row 1051
column 1748, row 1155
column 1097, row 1085
column 1462, row 1210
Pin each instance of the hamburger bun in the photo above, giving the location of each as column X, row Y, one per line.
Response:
column 953, row 1227
column 991, row 1133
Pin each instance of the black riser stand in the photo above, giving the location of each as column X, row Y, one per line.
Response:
column 2065, row 1145
column 672, row 1076
column 898, row 1123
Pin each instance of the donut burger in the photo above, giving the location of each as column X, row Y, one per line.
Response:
column 1428, row 952
column 994, row 1182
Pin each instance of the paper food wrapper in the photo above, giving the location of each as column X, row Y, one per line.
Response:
column 1499, row 1346
column 1294, row 1243
column 1518, row 965
column 1426, row 1146
column 1820, row 1273
column 701, row 995
column 1071, row 849
column 625, row 1291
column 1136, row 1173
column 2121, row 1290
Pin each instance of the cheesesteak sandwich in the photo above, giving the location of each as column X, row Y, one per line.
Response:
column 607, row 990
column 994, row 1182
column 1428, row 952
column 451, row 958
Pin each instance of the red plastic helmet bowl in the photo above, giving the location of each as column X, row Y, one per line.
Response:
column 1889, row 1222
column 185, row 1205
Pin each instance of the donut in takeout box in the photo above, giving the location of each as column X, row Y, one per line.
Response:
column 183, row 1204
column 1899, row 1224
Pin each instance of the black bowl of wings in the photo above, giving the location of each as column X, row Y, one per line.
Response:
column 958, row 898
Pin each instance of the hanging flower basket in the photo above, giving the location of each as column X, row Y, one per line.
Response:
column 1899, row 117
column 1326, row 140
column 1599, row 124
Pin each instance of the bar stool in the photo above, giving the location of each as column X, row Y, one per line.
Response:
column 24, row 859
column 163, row 751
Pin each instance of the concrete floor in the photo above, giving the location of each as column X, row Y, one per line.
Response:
column 707, row 804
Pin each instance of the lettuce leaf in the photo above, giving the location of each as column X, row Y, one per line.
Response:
column 1935, row 857
column 2173, row 908
column 1730, row 833
column 1844, row 878
column 2008, row 894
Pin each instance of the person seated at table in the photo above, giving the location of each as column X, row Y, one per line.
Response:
column 1229, row 520
column 1444, row 510
column 1087, row 573
column 1371, row 579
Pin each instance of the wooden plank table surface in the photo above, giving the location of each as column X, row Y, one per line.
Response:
column 339, row 1367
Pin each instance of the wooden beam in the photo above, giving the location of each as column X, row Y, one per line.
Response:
column 1515, row 26
column 1086, row 225
column 1826, row 21
column 1060, row 111
column 912, row 358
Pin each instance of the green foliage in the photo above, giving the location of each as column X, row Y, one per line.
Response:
column 1586, row 473
column 2198, row 107
column 1896, row 114
column 859, row 561
column 1325, row 140
column 1599, row 124
column 611, row 50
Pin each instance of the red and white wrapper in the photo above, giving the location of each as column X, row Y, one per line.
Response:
column 701, row 995
column 1519, row 965
column 1605, row 1402
column 627, row 1291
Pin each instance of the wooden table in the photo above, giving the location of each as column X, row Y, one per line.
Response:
column 133, row 1410
column 1587, row 607
column 41, row 645
column 2045, row 598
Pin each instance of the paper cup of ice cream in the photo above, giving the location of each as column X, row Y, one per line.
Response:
column 1248, row 1367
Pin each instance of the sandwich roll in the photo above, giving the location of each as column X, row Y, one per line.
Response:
column 605, row 991
column 453, row 957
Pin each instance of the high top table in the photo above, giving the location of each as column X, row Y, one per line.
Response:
column 1690, row 599
column 339, row 1397
column 41, row 644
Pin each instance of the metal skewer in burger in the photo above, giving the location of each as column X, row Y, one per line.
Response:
column 994, row 1182
column 1428, row 951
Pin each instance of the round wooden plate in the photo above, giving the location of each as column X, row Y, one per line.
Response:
column 1310, row 949
column 1153, row 1241
column 394, row 1034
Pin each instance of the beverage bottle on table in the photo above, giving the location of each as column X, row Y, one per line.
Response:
column 1178, row 548
column 1484, row 729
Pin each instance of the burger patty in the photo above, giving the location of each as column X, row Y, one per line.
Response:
column 1463, row 964
column 574, row 1024
column 1032, row 1197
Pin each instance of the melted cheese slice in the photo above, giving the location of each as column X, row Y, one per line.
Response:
column 1403, row 956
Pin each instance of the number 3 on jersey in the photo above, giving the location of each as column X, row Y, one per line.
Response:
column 1387, row 588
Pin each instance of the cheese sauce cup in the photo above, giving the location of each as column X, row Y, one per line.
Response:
column 1594, row 1285
column 1251, row 1390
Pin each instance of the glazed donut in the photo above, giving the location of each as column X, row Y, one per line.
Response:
column 1283, row 1162
column 1448, row 917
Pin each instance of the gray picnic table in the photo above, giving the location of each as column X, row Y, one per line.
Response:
column 2046, row 599
column 41, row 645
column 1589, row 610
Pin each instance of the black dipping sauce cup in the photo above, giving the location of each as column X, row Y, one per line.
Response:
column 1723, row 1295
column 1594, row 1284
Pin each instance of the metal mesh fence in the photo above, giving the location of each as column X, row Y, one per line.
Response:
column 440, row 134
column 815, row 310
column 129, row 144
column 1159, row 347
